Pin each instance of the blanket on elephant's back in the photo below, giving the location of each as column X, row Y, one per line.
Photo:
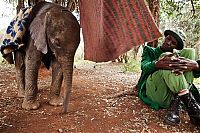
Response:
column 112, row 27
column 15, row 31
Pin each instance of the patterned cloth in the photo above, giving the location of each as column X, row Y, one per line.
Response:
column 113, row 27
column 16, row 30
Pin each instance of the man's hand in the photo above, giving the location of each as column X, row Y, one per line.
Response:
column 178, row 65
column 183, row 65
column 167, row 62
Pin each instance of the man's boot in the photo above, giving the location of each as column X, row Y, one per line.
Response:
column 173, row 113
column 193, row 108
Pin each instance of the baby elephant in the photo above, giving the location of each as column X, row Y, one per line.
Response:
column 52, row 37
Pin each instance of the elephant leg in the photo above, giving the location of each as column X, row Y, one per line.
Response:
column 20, row 72
column 33, row 62
column 56, row 83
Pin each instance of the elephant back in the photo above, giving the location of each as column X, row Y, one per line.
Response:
column 45, row 16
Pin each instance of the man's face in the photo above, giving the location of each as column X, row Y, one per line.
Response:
column 170, row 43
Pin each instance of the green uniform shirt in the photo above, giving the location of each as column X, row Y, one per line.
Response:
column 149, row 57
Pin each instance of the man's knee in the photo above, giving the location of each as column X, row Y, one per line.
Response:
column 188, row 53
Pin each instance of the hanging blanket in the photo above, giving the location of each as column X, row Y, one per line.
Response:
column 15, row 31
column 113, row 27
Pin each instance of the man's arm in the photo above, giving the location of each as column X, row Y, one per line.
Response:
column 183, row 65
column 149, row 58
column 151, row 61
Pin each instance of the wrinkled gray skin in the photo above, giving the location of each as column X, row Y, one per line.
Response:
column 61, row 33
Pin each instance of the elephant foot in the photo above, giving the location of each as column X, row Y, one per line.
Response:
column 56, row 101
column 21, row 93
column 30, row 105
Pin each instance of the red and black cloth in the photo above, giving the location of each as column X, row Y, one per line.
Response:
column 113, row 27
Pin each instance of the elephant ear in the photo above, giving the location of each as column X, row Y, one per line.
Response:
column 38, row 32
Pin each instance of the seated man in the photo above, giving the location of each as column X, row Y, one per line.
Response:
column 167, row 78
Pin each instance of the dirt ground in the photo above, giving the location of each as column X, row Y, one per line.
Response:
column 103, row 99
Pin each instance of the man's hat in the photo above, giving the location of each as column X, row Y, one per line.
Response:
column 179, row 35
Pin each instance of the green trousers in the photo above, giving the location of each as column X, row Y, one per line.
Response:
column 162, row 85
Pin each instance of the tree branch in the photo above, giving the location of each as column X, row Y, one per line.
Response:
column 193, row 9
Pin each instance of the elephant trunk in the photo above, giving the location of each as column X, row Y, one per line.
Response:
column 67, row 68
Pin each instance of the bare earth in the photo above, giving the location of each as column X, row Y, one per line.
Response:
column 103, row 99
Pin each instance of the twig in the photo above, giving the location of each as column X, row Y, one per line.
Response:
column 193, row 9
column 122, row 94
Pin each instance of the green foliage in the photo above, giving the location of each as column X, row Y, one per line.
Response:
column 180, row 14
column 197, row 80
column 169, row 7
column 132, row 66
column 13, row 2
